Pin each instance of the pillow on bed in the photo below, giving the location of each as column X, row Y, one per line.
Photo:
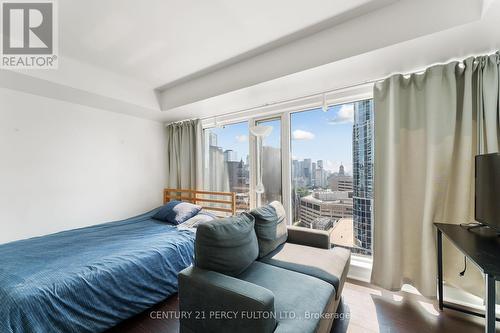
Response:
column 177, row 212
column 227, row 245
column 195, row 221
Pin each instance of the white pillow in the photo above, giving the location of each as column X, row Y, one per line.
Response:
column 192, row 223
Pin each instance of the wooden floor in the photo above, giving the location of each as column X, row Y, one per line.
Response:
column 367, row 308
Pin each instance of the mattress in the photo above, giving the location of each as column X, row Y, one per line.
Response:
column 90, row 279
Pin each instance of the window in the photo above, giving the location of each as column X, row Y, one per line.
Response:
column 332, row 172
column 271, row 163
column 328, row 160
column 227, row 162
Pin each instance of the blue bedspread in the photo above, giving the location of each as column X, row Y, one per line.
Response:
column 90, row 279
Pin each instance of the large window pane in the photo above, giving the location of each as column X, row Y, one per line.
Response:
column 271, row 162
column 332, row 172
column 227, row 162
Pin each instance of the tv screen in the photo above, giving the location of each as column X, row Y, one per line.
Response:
column 488, row 190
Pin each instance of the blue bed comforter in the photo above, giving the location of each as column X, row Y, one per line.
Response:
column 90, row 279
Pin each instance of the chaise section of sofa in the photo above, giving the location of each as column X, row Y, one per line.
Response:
column 285, row 279
column 263, row 299
column 299, row 299
column 308, row 251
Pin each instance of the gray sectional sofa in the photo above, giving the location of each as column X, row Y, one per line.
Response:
column 253, row 273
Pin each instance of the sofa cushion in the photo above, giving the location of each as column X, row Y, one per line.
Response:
column 227, row 245
column 176, row 212
column 295, row 294
column 328, row 265
column 270, row 227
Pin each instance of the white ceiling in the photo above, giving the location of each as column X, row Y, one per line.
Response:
column 162, row 41
column 175, row 59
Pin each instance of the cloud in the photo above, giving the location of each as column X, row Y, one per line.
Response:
column 241, row 138
column 344, row 115
column 302, row 135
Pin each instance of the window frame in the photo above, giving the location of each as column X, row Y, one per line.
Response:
column 253, row 150
column 283, row 110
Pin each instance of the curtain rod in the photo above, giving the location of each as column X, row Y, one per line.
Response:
column 418, row 71
column 292, row 99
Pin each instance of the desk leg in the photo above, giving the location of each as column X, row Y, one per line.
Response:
column 490, row 303
column 440, row 267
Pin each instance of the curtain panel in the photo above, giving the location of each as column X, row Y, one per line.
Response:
column 185, row 154
column 428, row 128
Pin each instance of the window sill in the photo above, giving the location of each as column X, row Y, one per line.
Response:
column 360, row 268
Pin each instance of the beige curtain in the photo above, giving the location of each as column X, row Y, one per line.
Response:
column 185, row 154
column 426, row 137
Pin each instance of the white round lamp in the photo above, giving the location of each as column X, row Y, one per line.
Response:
column 260, row 132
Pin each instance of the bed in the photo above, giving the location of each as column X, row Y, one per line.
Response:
column 90, row 279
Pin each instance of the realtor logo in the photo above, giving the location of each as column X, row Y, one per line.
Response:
column 29, row 38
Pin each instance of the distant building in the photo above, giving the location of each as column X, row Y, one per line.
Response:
column 340, row 181
column 313, row 174
column 238, row 182
column 327, row 195
column 271, row 177
column 329, row 204
column 321, row 178
column 296, row 169
column 226, row 174
column 307, row 167
column 230, row 156
column 322, row 223
column 212, row 139
column 216, row 179
column 362, row 139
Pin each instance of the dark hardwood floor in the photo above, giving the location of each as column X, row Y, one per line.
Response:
column 367, row 309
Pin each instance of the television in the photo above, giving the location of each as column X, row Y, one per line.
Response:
column 487, row 198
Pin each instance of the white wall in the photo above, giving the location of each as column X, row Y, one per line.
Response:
column 64, row 165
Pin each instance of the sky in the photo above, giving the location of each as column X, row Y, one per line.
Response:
column 315, row 134
column 324, row 136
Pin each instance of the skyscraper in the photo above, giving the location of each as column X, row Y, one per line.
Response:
column 307, row 170
column 271, row 178
column 212, row 139
column 313, row 174
column 362, row 143
column 230, row 156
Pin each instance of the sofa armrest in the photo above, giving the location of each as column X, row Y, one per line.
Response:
column 309, row 237
column 214, row 302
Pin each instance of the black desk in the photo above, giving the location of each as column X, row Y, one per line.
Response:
column 482, row 247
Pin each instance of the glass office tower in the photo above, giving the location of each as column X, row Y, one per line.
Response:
column 363, row 153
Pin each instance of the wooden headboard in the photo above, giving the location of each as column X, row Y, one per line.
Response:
column 221, row 203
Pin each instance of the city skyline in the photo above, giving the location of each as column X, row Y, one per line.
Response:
column 327, row 193
column 309, row 140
